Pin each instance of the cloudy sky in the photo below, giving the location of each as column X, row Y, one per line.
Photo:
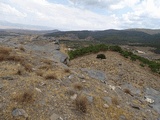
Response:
column 83, row 14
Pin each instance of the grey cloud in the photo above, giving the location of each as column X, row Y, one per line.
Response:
column 95, row 3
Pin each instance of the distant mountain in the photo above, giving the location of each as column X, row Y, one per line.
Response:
column 120, row 37
column 148, row 31
column 22, row 31
column 9, row 25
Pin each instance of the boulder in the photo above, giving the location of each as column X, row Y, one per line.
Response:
column 96, row 74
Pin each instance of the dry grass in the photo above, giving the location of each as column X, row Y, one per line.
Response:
column 78, row 86
column 5, row 50
column 46, row 61
column 67, row 70
column 81, row 103
column 39, row 73
column 70, row 92
column 19, row 72
column 27, row 66
column 50, row 75
column 4, row 53
column 45, row 67
column 22, row 48
column 25, row 97
column 127, row 91
column 115, row 101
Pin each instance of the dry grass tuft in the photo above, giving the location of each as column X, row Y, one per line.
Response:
column 5, row 50
column 19, row 72
column 45, row 67
column 70, row 92
column 115, row 101
column 46, row 61
column 50, row 76
column 4, row 53
column 39, row 73
column 25, row 97
column 78, row 86
column 27, row 66
column 14, row 58
column 67, row 70
column 127, row 91
column 81, row 103
column 22, row 48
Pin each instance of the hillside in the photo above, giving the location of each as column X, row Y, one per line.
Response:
column 37, row 82
column 120, row 37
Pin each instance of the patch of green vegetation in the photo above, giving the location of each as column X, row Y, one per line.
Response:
column 153, row 65
column 87, row 50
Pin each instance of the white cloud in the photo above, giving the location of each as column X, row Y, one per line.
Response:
column 8, row 10
column 143, row 13
column 41, row 12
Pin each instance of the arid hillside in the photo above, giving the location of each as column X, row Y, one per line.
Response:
column 38, row 82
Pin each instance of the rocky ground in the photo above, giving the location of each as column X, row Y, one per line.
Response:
column 37, row 82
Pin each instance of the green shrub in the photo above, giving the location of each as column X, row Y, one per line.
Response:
column 115, row 48
column 101, row 56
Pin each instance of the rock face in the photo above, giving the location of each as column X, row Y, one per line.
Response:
column 96, row 74
column 59, row 56
column 154, row 96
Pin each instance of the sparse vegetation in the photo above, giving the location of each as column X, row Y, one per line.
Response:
column 81, row 103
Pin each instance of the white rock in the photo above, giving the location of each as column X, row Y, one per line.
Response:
column 38, row 89
column 149, row 100
column 106, row 106
column 112, row 87
column 74, row 97
column 83, row 81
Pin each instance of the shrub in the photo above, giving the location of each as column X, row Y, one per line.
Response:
column 101, row 56
column 115, row 48
column 81, row 103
